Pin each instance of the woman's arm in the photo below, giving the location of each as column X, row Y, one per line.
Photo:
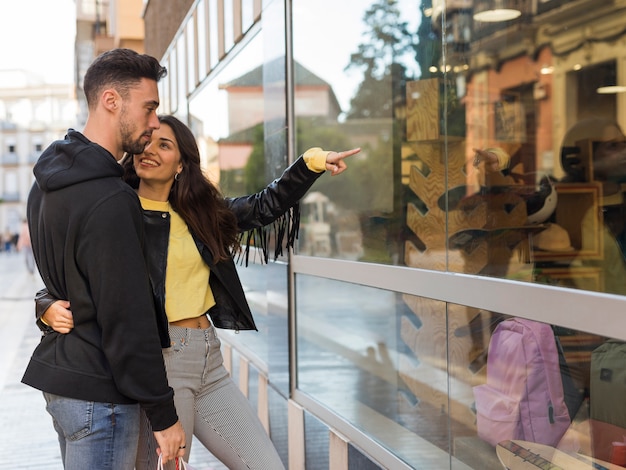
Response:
column 262, row 208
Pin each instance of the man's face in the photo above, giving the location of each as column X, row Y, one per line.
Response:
column 138, row 116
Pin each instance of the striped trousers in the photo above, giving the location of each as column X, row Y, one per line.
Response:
column 210, row 406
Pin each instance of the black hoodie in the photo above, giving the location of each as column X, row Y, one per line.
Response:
column 87, row 232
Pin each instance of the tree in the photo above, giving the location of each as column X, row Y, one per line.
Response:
column 254, row 171
column 379, row 56
column 428, row 44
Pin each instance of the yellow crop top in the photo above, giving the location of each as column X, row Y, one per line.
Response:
column 188, row 294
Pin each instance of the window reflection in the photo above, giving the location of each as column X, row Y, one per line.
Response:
column 247, row 14
column 216, row 34
column 192, row 64
column 201, row 24
column 173, row 80
column 349, row 98
column 227, row 117
column 181, row 77
column 229, row 33
column 502, row 155
column 430, row 380
column 364, row 354
column 540, row 390
column 463, row 151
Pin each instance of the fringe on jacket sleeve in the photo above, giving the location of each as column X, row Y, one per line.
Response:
column 284, row 230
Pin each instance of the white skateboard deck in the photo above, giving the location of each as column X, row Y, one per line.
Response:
column 524, row 455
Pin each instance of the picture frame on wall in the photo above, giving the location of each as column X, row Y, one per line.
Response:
column 509, row 125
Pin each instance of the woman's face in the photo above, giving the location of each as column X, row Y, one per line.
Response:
column 609, row 161
column 160, row 160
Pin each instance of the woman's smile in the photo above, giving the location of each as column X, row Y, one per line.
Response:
column 148, row 162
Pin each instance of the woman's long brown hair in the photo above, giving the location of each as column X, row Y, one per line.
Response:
column 198, row 201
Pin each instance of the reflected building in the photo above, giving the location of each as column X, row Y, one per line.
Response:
column 245, row 112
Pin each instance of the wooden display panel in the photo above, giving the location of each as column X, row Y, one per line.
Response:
column 423, row 114
column 575, row 200
column 586, row 278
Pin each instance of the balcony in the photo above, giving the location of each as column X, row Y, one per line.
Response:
column 10, row 158
column 10, row 197
column 104, row 43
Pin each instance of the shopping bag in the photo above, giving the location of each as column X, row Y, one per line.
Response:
column 180, row 464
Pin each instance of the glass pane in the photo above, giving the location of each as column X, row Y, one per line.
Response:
column 552, row 168
column 172, row 74
column 343, row 100
column 181, row 78
column 164, row 91
column 426, row 379
column 364, row 354
column 247, row 14
column 486, row 148
column 192, row 71
column 227, row 117
column 203, row 46
column 229, row 26
column 529, row 390
column 214, row 32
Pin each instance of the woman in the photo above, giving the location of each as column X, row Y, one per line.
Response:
column 594, row 151
column 192, row 233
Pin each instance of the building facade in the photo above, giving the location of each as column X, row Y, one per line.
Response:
column 32, row 114
column 101, row 26
column 489, row 188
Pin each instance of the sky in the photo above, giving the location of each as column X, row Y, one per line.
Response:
column 38, row 36
column 337, row 36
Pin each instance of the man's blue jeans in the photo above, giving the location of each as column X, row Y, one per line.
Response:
column 95, row 436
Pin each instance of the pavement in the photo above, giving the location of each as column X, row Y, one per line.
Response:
column 27, row 438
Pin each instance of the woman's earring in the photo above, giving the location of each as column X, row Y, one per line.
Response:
column 176, row 176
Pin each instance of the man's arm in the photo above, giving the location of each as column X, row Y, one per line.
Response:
column 111, row 256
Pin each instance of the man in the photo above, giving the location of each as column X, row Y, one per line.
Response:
column 86, row 229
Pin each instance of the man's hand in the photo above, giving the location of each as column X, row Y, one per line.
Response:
column 171, row 442
column 335, row 163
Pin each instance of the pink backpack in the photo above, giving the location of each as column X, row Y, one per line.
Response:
column 523, row 397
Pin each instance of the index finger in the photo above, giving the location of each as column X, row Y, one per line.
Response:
column 341, row 155
column 347, row 153
column 482, row 152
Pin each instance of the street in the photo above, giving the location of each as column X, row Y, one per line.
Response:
column 27, row 438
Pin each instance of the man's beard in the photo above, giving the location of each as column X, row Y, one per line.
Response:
column 133, row 147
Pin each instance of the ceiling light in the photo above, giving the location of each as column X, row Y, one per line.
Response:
column 497, row 11
column 495, row 16
column 546, row 70
column 611, row 89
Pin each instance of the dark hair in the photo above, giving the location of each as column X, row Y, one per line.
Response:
column 198, row 201
column 120, row 69
column 592, row 129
